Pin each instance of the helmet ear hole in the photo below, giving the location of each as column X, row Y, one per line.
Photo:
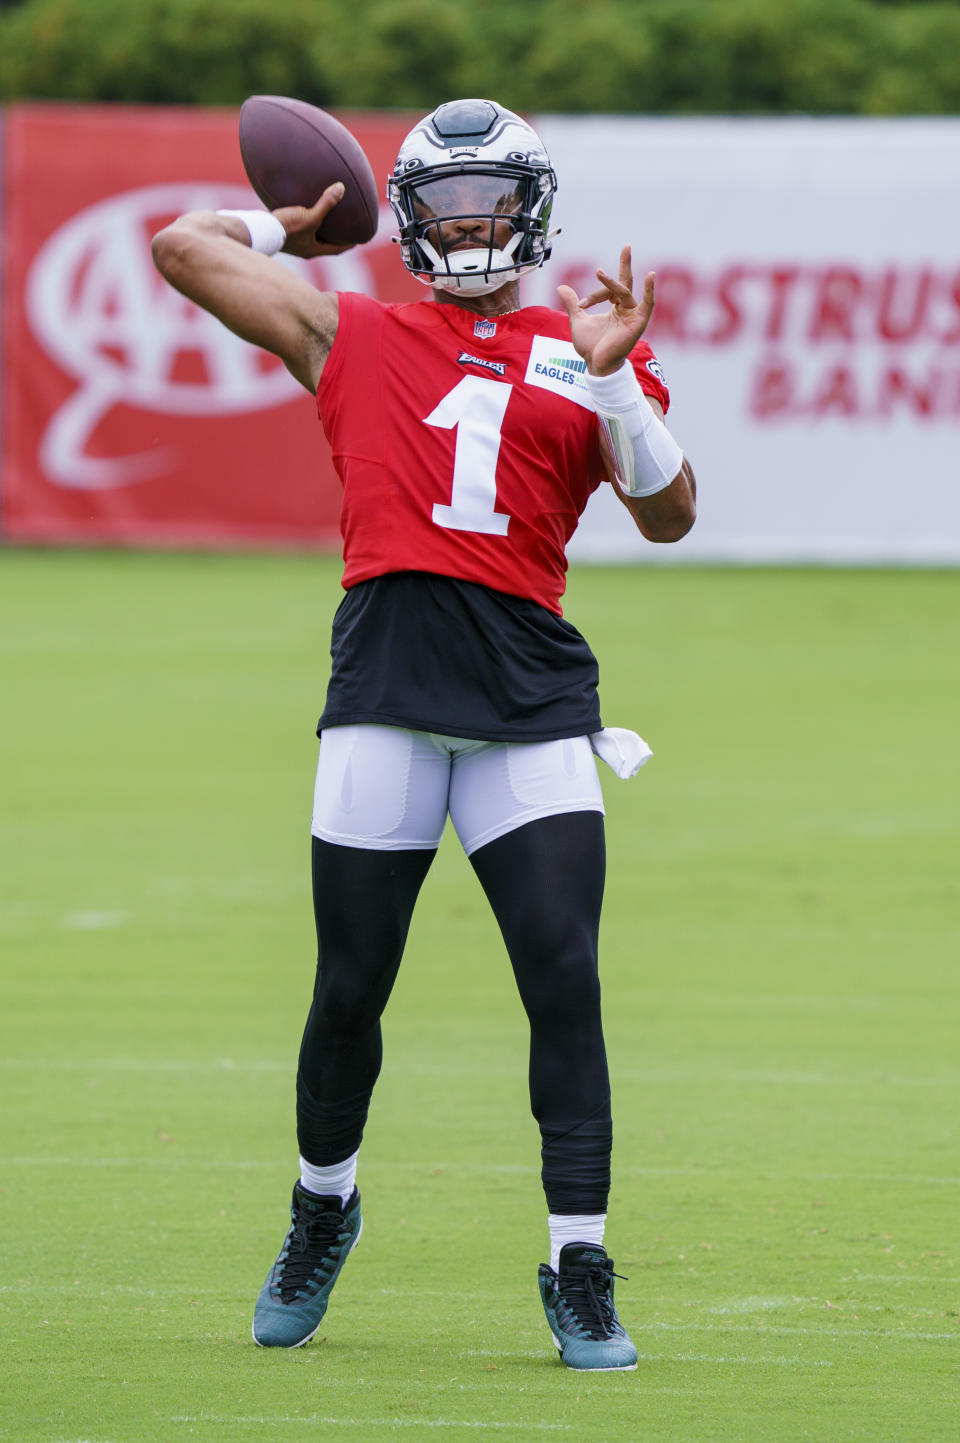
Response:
column 472, row 159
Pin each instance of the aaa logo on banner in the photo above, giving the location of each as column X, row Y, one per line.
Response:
column 134, row 416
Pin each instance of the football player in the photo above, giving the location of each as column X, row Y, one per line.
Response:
column 468, row 432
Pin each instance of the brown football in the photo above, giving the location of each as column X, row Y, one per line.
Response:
column 292, row 151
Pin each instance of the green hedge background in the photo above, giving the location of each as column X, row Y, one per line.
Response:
column 748, row 57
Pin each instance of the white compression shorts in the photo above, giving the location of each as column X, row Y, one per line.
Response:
column 388, row 789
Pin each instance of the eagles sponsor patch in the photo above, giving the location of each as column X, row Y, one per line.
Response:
column 555, row 366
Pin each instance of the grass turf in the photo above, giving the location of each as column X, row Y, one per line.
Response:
column 780, row 947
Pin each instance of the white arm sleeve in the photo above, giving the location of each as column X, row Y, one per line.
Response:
column 646, row 455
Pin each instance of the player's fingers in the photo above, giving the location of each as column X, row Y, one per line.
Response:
column 569, row 300
column 626, row 269
column 310, row 217
column 295, row 218
column 595, row 297
column 648, row 300
column 331, row 197
column 617, row 292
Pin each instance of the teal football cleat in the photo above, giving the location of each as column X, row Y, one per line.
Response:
column 578, row 1302
column 293, row 1300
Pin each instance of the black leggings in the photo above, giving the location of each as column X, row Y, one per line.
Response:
column 544, row 882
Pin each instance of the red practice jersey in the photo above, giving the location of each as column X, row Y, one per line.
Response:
column 466, row 447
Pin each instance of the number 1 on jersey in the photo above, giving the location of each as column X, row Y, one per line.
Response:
column 476, row 407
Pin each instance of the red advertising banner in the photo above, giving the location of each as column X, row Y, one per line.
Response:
column 814, row 367
column 131, row 416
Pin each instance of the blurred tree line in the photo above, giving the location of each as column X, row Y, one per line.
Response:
column 863, row 57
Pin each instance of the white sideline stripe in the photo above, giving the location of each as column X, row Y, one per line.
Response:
column 329, row 1421
column 756, row 1304
column 762, row 1360
column 94, row 921
column 886, row 1335
column 897, row 1278
column 731, row 1309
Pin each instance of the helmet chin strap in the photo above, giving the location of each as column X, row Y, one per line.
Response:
column 480, row 283
column 472, row 270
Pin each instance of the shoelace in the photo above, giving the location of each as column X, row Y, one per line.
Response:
column 311, row 1240
column 586, row 1292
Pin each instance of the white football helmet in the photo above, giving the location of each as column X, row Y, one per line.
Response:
column 472, row 160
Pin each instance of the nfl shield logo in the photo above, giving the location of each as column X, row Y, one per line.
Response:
column 483, row 330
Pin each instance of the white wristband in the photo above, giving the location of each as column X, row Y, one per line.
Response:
column 646, row 455
column 267, row 234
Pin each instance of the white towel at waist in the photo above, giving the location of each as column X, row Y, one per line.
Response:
column 623, row 751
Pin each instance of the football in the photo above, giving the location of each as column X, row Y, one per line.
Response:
column 292, row 151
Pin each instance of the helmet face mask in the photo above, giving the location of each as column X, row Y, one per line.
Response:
column 472, row 191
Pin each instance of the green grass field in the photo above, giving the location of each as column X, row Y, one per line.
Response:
column 781, row 946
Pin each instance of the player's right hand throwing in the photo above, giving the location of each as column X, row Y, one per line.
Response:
column 302, row 224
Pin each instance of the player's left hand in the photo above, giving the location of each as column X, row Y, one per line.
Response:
column 606, row 340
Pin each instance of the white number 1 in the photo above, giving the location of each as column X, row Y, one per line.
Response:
column 476, row 407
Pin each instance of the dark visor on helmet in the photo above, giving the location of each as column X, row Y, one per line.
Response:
column 464, row 195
